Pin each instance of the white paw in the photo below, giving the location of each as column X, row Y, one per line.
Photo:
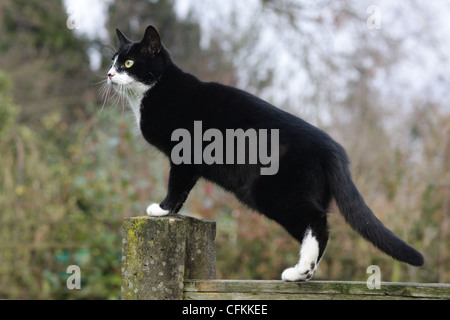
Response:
column 155, row 210
column 307, row 264
column 290, row 274
column 303, row 272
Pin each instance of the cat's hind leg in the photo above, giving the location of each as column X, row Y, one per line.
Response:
column 313, row 246
column 308, row 262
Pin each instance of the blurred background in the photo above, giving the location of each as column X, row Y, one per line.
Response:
column 373, row 74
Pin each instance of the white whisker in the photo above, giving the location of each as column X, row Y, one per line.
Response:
column 122, row 89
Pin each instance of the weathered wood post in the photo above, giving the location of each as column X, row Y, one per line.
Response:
column 159, row 253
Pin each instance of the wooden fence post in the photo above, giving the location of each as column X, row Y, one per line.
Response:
column 159, row 253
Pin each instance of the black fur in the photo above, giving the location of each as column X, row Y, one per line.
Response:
column 313, row 168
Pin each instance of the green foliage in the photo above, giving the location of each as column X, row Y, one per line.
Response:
column 8, row 111
column 36, row 23
column 48, row 61
column 62, row 203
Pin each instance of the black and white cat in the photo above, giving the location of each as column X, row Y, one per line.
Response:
column 312, row 168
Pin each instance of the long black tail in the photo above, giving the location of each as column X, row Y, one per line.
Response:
column 355, row 211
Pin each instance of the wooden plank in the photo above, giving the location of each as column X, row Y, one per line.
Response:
column 247, row 289
column 272, row 296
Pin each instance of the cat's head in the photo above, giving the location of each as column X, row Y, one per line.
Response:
column 137, row 63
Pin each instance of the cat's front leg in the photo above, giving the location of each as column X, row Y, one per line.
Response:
column 155, row 210
column 182, row 179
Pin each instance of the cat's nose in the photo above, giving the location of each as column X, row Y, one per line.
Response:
column 110, row 75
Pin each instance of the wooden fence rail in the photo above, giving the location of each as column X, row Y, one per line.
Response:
column 161, row 255
column 312, row 290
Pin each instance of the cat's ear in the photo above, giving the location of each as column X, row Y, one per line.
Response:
column 122, row 38
column 151, row 44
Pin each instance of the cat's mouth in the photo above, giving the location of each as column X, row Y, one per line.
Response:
column 116, row 81
column 113, row 83
column 116, row 78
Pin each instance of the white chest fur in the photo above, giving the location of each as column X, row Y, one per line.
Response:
column 127, row 86
column 135, row 94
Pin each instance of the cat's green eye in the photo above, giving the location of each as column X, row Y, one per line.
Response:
column 129, row 63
